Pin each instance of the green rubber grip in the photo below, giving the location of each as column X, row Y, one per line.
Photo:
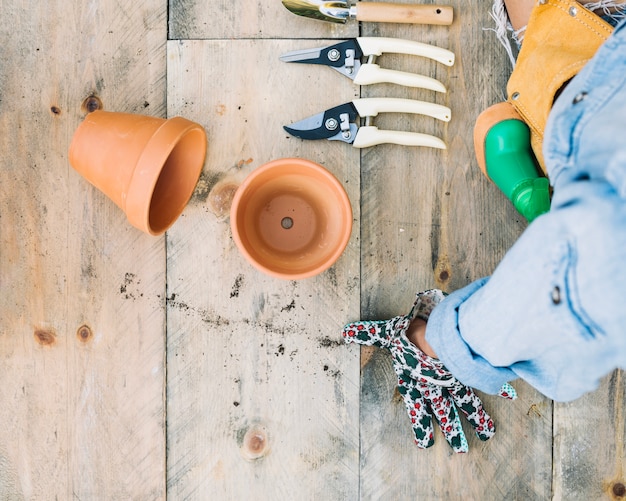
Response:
column 510, row 164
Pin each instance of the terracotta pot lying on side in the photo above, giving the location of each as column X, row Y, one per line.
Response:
column 148, row 166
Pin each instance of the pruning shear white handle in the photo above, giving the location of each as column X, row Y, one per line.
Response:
column 372, row 73
column 377, row 45
column 370, row 135
column 372, row 106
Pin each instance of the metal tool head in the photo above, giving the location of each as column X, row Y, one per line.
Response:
column 345, row 57
column 336, row 123
column 335, row 11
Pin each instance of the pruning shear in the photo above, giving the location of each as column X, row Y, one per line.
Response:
column 342, row 123
column 345, row 57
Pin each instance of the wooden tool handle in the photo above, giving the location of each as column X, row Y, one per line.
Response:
column 404, row 13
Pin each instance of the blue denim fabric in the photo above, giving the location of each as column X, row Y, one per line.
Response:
column 554, row 311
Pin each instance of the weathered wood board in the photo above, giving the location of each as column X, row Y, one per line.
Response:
column 82, row 321
column 241, row 19
column 589, row 446
column 263, row 399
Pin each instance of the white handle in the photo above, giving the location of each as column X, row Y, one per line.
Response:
column 376, row 46
column 371, row 136
column 372, row 106
column 372, row 74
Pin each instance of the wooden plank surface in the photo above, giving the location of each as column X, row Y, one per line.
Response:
column 241, row 19
column 82, row 304
column 589, row 446
column 263, row 399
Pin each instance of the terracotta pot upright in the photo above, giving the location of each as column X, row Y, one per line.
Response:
column 148, row 166
column 291, row 218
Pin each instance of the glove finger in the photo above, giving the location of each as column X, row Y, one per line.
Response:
column 369, row 333
column 419, row 414
column 447, row 417
column 470, row 405
column 507, row 391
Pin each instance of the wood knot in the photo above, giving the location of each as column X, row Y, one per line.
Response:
column 619, row 490
column 221, row 198
column 91, row 104
column 442, row 272
column 255, row 443
column 84, row 333
column 45, row 337
column 55, row 110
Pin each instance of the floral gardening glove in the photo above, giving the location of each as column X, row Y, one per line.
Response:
column 427, row 387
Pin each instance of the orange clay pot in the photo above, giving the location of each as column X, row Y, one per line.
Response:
column 148, row 166
column 291, row 218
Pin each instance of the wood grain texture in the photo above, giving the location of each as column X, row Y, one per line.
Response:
column 224, row 19
column 589, row 446
column 82, row 322
column 263, row 401
column 262, row 396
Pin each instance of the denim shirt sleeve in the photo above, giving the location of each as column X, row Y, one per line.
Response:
column 553, row 311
